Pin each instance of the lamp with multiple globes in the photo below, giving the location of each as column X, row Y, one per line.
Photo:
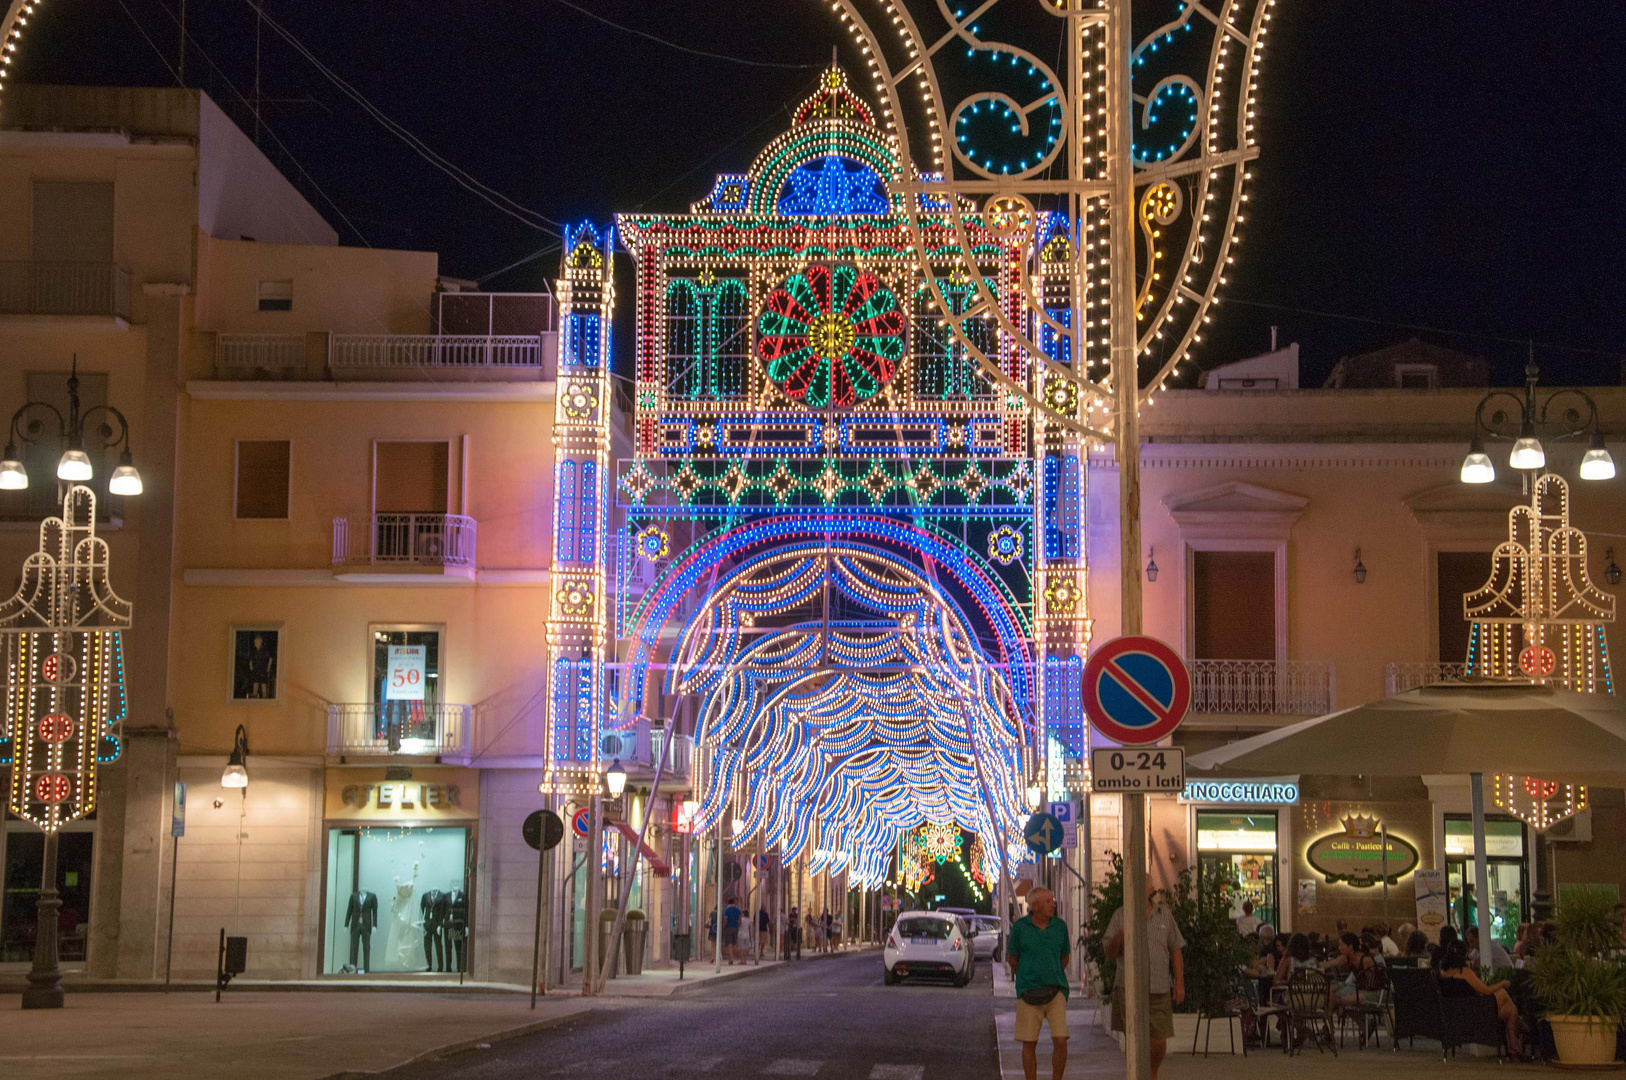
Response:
column 1524, row 419
column 75, row 465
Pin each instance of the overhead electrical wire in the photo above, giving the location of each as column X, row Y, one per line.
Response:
column 523, row 214
column 680, row 48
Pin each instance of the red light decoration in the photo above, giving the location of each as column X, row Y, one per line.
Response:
column 56, row 728
column 1537, row 661
column 51, row 669
column 52, row 788
column 1540, row 789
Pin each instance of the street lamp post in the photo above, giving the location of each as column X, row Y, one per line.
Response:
column 1526, row 420
column 75, row 465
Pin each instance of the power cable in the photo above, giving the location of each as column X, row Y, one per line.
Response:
column 162, row 59
column 523, row 214
column 680, row 48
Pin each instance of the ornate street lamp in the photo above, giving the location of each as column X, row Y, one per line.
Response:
column 60, row 639
column 1525, row 420
column 75, row 465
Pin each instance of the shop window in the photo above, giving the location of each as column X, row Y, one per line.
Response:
column 1241, row 848
column 1233, row 605
column 24, row 861
column 277, row 295
column 1507, row 871
column 406, row 689
column 262, row 478
column 397, row 900
column 1458, row 572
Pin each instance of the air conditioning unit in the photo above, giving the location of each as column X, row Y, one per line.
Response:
column 618, row 745
column 1573, row 830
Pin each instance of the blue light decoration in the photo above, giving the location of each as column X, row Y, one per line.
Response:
column 826, row 527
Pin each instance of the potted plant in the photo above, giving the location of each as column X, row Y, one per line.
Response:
column 1580, row 981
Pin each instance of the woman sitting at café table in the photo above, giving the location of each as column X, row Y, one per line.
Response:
column 1459, row 980
column 1363, row 978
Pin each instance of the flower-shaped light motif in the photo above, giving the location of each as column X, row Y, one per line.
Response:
column 653, row 543
column 1005, row 545
column 831, row 335
column 1062, row 595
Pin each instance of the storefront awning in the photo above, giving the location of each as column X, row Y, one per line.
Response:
column 660, row 866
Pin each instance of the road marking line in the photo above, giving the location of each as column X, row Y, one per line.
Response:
column 897, row 1072
column 792, row 1067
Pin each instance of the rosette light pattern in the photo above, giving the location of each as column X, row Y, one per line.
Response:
column 831, row 335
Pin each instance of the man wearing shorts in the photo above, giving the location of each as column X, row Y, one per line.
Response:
column 1168, row 983
column 1039, row 949
column 731, row 930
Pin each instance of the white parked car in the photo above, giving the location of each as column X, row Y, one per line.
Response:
column 933, row 943
column 989, row 941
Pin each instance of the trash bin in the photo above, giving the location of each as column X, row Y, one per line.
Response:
column 680, row 948
column 633, row 935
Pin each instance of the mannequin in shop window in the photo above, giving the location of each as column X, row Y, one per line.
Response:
column 436, row 910
column 403, row 941
column 362, row 918
column 457, row 928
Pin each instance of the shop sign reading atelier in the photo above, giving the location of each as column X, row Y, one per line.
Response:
column 1356, row 856
column 402, row 795
column 396, row 794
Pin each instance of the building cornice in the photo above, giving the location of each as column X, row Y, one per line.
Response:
column 227, row 390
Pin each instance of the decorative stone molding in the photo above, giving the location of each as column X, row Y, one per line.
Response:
column 1235, row 510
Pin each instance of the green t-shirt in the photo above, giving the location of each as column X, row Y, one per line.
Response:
column 1038, row 954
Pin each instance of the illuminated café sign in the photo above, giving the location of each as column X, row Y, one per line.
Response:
column 401, row 794
column 1356, row 855
column 1260, row 791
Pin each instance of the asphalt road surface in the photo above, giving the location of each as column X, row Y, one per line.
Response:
column 828, row 1018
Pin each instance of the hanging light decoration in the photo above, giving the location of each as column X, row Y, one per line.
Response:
column 1538, row 803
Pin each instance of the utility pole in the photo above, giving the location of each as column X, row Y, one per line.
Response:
column 1134, row 979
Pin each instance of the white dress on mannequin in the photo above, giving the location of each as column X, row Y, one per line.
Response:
column 405, row 943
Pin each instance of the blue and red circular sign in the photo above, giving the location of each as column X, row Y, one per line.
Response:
column 581, row 822
column 1136, row 690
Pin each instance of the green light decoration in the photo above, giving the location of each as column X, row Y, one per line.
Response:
column 831, row 335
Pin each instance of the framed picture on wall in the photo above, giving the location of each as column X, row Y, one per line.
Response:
column 256, row 663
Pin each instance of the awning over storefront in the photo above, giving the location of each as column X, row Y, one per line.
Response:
column 660, row 866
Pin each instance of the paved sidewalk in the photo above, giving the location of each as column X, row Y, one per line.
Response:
column 257, row 1035
column 1093, row 1052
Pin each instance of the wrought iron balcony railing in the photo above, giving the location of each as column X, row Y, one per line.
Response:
column 641, row 746
column 409, row 539
column 1262, row 687
column 1401, row 676
column 396, row 351
column 64, row 288
column 411, row 728
column 247, row 356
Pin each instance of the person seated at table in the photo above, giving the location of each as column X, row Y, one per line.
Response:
column 1497, row 958
column 1416, row 943
column 1388, row 945
column 1362, row 977
column 1297, row 956
column 1459, row 980
column 1448, row 936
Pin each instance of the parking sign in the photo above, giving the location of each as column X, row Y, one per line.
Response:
column 1066, row 812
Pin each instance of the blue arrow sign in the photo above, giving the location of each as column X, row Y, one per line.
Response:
column 1043, row 833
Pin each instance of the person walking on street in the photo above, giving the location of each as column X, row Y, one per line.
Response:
column 793, row 934
column 1168, row 975
column 731, row 930
column 764, row 936
column 824, row 933
column 1039, row 949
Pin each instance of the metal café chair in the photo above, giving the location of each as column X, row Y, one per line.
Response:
column 1309, row 1008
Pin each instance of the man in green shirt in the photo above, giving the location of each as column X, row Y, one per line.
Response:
column 1039, row 949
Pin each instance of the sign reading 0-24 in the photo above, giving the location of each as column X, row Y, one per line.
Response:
column 1356, row 855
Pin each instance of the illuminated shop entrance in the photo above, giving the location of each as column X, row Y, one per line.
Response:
column 1509, row 872
column 1241, row 847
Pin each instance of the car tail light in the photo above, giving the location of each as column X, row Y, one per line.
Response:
column 893, row 939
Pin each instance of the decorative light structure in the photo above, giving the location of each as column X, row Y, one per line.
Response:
column 1539, row 803
column 1540, row 614
column 65, row 698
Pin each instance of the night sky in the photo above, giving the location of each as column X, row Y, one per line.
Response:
column 1449, row 170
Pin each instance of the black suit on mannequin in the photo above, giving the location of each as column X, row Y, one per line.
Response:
column 434, row 949
column 457, row 928
column 362, row 917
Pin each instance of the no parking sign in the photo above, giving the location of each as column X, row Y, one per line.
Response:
column 1136, row 690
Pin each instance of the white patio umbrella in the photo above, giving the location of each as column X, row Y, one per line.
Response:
column 1473, row 727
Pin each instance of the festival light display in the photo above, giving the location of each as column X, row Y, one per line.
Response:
column 1539, row 803
column 1540, row 615
column 60, row 635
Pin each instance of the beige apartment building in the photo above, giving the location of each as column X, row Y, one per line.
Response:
column 348, row 476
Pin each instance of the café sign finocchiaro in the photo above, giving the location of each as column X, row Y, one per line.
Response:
column 1356, row 856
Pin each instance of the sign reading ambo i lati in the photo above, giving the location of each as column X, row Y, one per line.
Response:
column 1356, row 855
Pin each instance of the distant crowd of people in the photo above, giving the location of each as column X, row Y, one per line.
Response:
column 821, row 933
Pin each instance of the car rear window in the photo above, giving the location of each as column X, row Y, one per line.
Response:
column 924, row 928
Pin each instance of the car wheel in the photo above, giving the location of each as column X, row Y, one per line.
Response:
column 888, row 978
column 999, row 954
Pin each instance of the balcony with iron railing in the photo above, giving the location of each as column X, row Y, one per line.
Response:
column 1401, row 676
column 639, row 749
column 262, row 356
column 405, row 728
column 99, row 290
column 1261, row 687
column 435, row 540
